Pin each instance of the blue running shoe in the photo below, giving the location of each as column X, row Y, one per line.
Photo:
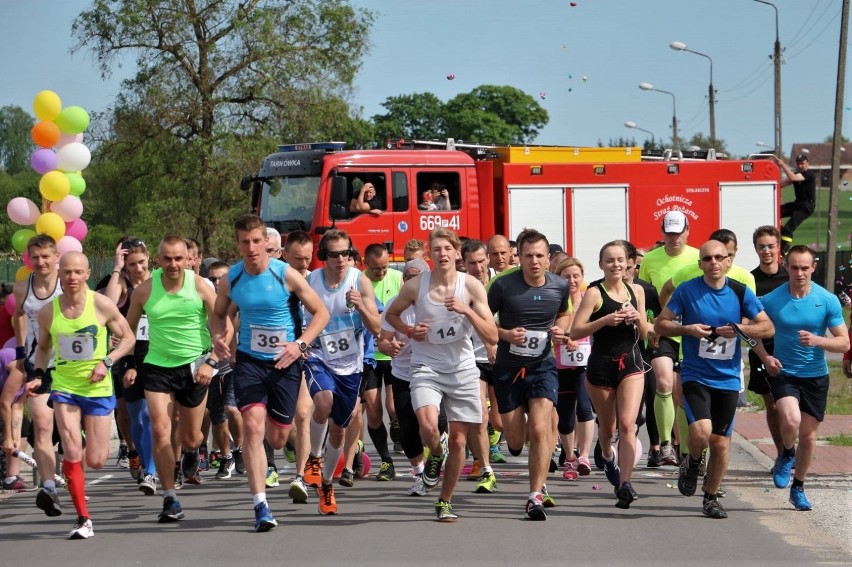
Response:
column 783, row 471
column 611, row 470
column 263, row 520
column 799, row 500
column 172, row 512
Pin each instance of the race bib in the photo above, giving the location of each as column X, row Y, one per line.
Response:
column 719, row 348
column 340, row 344
column 446, row 331
column 142, row 329
column 575, row 358
column 535, row 343
column 267, row 340
column 76, row 347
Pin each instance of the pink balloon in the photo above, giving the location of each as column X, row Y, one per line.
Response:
column 76, row 229
column 43, row 160
column 65, row 139
column 27, row 261
column 11, row 343
column 68, row 244
column 69, row 208
column 10, row 305
column 22, row 211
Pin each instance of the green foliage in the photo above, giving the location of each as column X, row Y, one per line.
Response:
column 419, row 116
column 15, row 143
column 22, row 184
column 101, row 240
column 494, row 114
column 830, row 139
column 703, row 142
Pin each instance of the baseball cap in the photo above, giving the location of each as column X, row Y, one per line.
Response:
column 674, row 222
column 416, row 264
column 554, row 248
column 802, row 157
column 205, row 266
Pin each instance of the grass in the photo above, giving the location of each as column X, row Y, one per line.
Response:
column 839, row 391
column 841, row 440
column 815, row 227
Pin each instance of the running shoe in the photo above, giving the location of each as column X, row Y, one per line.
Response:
column 418, row 488
column 298, row 491
column 271, row 477
column 474, row 471
column 172, row 512
column 493, row 436
column 327, row 502
column 122, row 459
column 495, row 456
column 667, row 455
column 226, row 467
column 358, row 461
column 313, row 471
column 214, row 458
column 394, row 431
column 432, row 473
column 598, row 456
column 535, row 510
column 189, row 466
column 239, row 464
column 290, row 453
column 655, row 460
column 263, row 519
column 611, row 470
column 148, row 486
column 783, row 471
column 547, row 500
column 625, row 495
column 719, row 493
column 444, row 511
column 571, row 471
column 135, row 466
column 82, row 529
column 713, row 509
column 18, row 484
column 194, row 479
column 203, row 459
column 397, row 448
column 48, row 500
column 554, row 463
column 799, row 500
column 347, row 478
column 487, row 483
column 386, row 471
column 687, row 478
column 584, row 467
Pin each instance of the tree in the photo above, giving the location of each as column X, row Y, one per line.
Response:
column 419, row 116
column 214, row 77
column 830, row 139
column 703, row 142
column 493, row 114
column 15, row 143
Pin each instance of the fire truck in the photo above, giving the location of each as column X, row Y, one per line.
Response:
column 579, row 197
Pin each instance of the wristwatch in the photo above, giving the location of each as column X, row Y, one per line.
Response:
column 214, row 363
column 107, row 362
column 303, row 346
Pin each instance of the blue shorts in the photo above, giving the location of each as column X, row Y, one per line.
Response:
column 103, row 405
column 258, row 382
column 220, row 393
column 514, row 385
column 344, row 387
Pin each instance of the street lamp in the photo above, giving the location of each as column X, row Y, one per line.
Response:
column 679, row 46
column 631, row 124
column 776, row 59
column 650, row 87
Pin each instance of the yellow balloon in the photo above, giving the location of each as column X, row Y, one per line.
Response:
column 52, row 225
column 47, row 105
column 54, row 185
column 23, row 273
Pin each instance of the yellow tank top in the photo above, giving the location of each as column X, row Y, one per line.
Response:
column 79, row 345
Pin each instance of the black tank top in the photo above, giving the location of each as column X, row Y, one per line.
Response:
column 613, row 341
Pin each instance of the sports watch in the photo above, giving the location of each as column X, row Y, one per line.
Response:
column 213, row 363
column 303, row 346
column 107, row 362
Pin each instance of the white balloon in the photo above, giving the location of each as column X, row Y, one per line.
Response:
column 65, row 139
column 69, row 208
column 73, row 157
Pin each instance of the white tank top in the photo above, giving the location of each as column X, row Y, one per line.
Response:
column 340, row 346
column 401, row 363
column 32, row 305
column 449, row 347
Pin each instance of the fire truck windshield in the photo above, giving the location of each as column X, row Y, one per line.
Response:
column 289, row 201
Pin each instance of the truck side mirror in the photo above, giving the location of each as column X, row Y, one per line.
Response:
column 246, row 182
column 338, row 209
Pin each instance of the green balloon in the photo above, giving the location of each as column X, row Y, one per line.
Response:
column 20, row 239
column 78, row 184
column 72, row 120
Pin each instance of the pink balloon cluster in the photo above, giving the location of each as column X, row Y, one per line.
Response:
column 60, row 159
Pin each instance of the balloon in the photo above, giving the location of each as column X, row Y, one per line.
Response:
column 451, row 76
column 78, row 184
column 22, row 211
column 73, row 157
column 23, row 273
column 10, row 304
column 68, row 244
column 45, row 134
column 43, row 160
column 27, row 260
column 52, row 225
column 69, row 208
column 72, row 120
column 21, row 238
column 365, row 460
column 77, row 229
column 65, row 139
column 54, row 186
column 543, row 95
column 47, row 105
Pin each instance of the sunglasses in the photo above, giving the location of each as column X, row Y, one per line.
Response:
column 718, row 257
column 213, row 279
column 135, row 243
column 338, row 253
column 272, row 251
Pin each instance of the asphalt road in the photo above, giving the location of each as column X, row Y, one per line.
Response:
column 379, row 524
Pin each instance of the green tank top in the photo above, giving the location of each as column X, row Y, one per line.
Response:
column 79, row 345
column 177, row 323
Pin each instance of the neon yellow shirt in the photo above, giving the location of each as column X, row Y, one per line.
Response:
column 658, row 267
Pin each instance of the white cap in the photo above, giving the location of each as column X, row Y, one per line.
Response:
column 674, row 222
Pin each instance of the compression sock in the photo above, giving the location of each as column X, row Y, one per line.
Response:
column 317, row 437
column 682, row 429
column 76, row 485
column 379, row 437
column 332, row 456
column 665, row 413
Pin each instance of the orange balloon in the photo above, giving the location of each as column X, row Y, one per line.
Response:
column 45, row 134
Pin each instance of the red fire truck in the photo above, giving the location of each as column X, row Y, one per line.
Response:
column 578, row 197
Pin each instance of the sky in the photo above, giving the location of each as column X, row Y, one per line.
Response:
column 582, row 61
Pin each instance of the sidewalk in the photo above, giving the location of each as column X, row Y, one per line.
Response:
column 828, row 460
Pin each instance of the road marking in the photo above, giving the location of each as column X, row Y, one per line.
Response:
column 101, row 479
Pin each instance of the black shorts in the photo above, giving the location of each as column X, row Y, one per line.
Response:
column 514, row 385
column 608, row 372
column 667, row 347
column 46, row 382
column 719, row 406
column 812, row 393
column 258, row 382
column 178, row 381
column 134, row 393
column 758, row 379
column 374, row 378
column 220, row 393
column 570, row 379
column 486, row 372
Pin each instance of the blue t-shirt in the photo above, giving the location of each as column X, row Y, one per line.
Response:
column 817, row 312
column 715, row 363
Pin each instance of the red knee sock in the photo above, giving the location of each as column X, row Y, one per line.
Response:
column 76, row 485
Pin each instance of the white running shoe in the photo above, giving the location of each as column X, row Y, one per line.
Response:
column 82, row 529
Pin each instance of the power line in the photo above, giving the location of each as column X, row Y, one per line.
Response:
column 794, row 39
column 818, row 36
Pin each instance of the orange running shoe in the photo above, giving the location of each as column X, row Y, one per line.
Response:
column 313, row 471
column 327, row 502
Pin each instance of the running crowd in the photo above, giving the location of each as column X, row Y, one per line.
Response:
column 497, row 340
